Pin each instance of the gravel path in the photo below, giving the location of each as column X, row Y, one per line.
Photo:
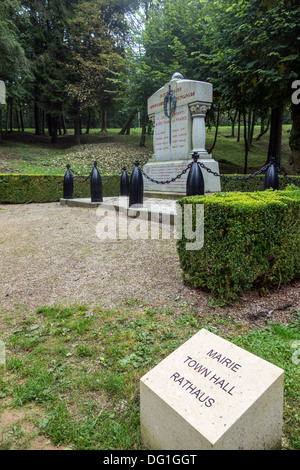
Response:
column 52, row 254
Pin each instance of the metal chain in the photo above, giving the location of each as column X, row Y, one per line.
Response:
column 258, row 172
column 73, row 171
column 172, row 180
column 79, row 181
column 292, row 180
column 87, row 177
column 167, row 181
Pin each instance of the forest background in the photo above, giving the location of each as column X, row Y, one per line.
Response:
column 72, row 64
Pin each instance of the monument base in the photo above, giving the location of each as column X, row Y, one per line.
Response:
column 166, row 170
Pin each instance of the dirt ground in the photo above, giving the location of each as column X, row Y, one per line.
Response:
column 56, row 254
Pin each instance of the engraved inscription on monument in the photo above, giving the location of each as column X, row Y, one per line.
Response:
column 211, row 394
column 180, row 142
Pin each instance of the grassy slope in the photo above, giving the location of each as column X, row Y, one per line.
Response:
column 31, row 154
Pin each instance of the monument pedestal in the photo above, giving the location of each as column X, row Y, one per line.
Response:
column 165, row 170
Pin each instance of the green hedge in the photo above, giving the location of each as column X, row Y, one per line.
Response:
column 250, row 239
column 255, row 183
column 16, row 189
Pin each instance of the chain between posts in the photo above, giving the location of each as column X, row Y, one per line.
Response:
column 88, row 177
column 79, row 181
column 202, row 165
column 256, row 173
column 292, row 180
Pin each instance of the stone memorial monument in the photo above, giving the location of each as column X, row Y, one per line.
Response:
column 178, row 111
column 2, row 92
column 212, row 394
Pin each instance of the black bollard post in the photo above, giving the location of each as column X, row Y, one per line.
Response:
column 96, row 185
column 195, row 181
column 68, row 184
column 136, row 186
column 271, row 180
column 124, row 183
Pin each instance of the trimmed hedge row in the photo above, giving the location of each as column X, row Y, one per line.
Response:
column 18, row 189
column 250, row 239
column 252, row 184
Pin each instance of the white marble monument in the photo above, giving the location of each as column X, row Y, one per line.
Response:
column 178, row 112
column 210, row 394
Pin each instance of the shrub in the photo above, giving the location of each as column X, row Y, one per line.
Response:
column 250, row 239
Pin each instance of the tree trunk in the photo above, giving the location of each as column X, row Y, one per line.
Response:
column 49, row 124
column 249, row 129
column 128, row 123
column 252, row 129
column 233, row 124
column 43, row 122
column 294, row 140
column 246, row 143
column 10, row 101
column 104, row 120
column 216, row 132
column 54, row 130
column 143, row 134
column 36, row 119
column 21, row 118
column 63, row 123
column 17, row 119
column 274, row 149
column 88, row 124
column 6, row 117
column 262, row 124
column 77, row 129
column 263, row 130
column 239, row 127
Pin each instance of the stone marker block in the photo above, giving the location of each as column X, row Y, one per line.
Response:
column 212, row 394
